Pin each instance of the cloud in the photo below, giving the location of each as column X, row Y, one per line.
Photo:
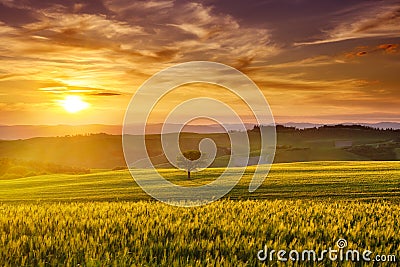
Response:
column 65, row 89
column 109, row 48
column 21, row 4
column 376, row 21
column 74, row 42
column 388, row 49
column 105, row 94
column 315, row 61
column 312, row 61
column 222, row 38
column 125, row 6
column 22, row 106
column 301, row 84
column 81, row 29
column 106, row 56
column 196, row 31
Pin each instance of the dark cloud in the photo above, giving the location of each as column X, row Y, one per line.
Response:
column 243, row 63
column 77, row 6
column 290, row 21
column 366, row 50
column 375, row 22
column 166, row 54
column 16, row 16
column 105, row 94
column 372, row 20
column 389, row 48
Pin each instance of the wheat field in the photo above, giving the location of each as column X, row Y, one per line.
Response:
column 103, row 219
column 225, row 233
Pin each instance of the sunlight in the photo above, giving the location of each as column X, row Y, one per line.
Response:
column 73, row 104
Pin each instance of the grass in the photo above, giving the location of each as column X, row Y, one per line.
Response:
column 309, row 180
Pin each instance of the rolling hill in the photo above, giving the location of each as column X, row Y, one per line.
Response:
column 308, row 180
column 103, row 151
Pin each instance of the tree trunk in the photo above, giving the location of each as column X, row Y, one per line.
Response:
column 188, row 174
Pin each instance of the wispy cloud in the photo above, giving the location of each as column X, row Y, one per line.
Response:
column 378, row 20
column 79, row 90
column 192, row 32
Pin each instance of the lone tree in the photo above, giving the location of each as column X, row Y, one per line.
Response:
column 189, row 161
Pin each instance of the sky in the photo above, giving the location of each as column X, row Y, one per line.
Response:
column 315, row 61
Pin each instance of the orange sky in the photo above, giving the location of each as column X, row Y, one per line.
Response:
column 316, row 62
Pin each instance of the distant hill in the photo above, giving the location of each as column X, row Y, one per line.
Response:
column 379, row 125
column 339, row 142
column 15, row 132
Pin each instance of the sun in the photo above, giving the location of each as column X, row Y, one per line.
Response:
column 73, row 104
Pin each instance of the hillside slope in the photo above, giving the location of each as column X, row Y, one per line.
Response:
column 294, row 145
column 309, row 180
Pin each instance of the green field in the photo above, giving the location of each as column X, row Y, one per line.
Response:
column 105, row 219
column 309, row 180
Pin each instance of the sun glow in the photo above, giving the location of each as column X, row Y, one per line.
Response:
column 73, row 104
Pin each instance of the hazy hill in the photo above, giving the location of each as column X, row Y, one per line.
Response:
column 15, row 132
column 378, row 125
column 105, row 151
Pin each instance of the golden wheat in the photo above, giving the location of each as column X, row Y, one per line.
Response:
column 225, row 233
